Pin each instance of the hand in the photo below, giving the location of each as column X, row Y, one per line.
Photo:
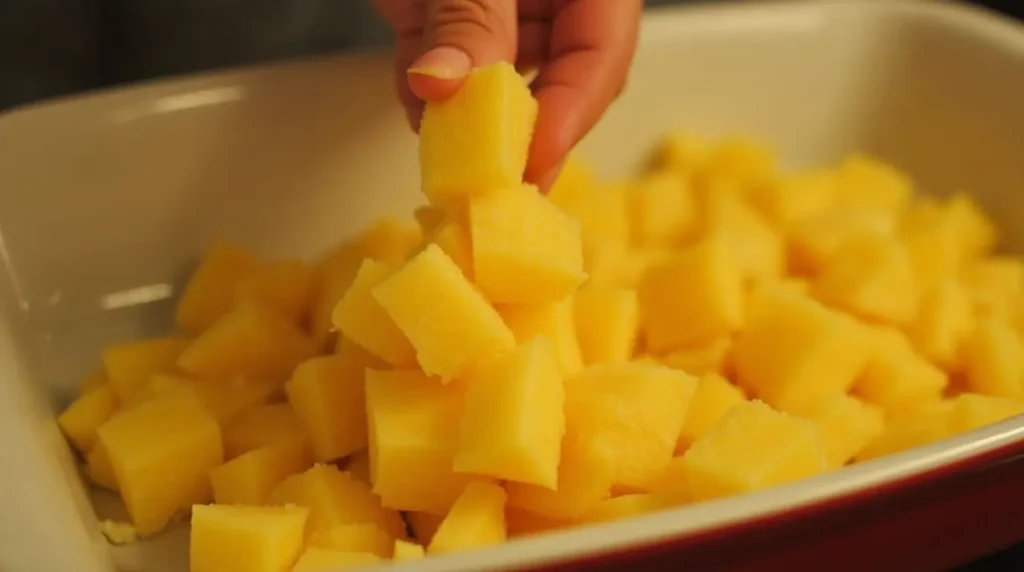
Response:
column 582, row 50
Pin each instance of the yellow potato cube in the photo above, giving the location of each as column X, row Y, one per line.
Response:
column 741, row 452
column 85, row 415
column 99, row 469
column 210, row 292
column 250, row 477
column 758, row 249
column 793, row 198
column 250, row 342
column 926, row 426
column 944, row 320
column 261, row 426
column 662, row 209
column 994, row 283
column 934, row 235
column 683, row 153
column 335, row 498
column 896, row 378
column 866, row 182
column 224, row 399
column 478, row 139
column 514, row 417
column 607, row 323
column 361, row 537
column 712, row 399
column 870, row 276
column 794, row 350
column 706, row 358
column 972, row 411
column 694, row 297
column 453, row 237
column 847, row 425
column 161, row 451
column 636, row 411
column 525, row 250
column 627, row 506
column 424, row 525
column 448, row 321
column 328, row 397
column 360, row 317
column 334, row 277
column 977, row 234
column 814, row 241
column 286, row 287
column 130, row 365
column 325, row 559
column 414, row 430
column 555, row 321
column 407, row 551
column 245, row 538
column 741, row 160
column 994, row 359
column 476, row 520
column 389, row 240
column 672, row 485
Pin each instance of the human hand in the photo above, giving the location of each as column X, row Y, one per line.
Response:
column 582, row 50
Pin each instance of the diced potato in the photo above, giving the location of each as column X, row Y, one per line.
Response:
column 712, row 399
column 476, row 520
column 161, row 451
column 896, row 378
column 994, row 359
column 225, row 399
column 261, row 426
column 555, row 321
column 335, row 498
column 250, row 477
column 793, row 198
column 933, row 241
column 328, row 397
column 130, row 365
column 285, row 286
column 847, row 425
column 695, row 296
column 795, row 351
column 636, row 411
column 866, row 182
column 627, row 506
column 814, row 241
column 405, row 551
column 870, row 276
column 361, row 537
column 85, row 415
column 683, row 153
column 478, row 139
column 739, row 453
column 758, row 250
column 448, row 321
column 706, row 358
column 389, row 240
column 99, row 469
column 926, row 426
column 976, row 232
column 525, row 250
column 602, row 210
column 944, row 320
column 362, row 319
column 973, row 411
column 994, row 283
column 453, row 237
column 246, row 538
column 414, row 430
column 514, row 417
column 607, row 323
column 211, row 289
column 250, row 342
column 325, row 559
column 740, row 160
column 334, row 277
column 662, row 209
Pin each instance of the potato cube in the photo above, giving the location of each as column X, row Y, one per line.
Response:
column 476, row 520
column 525, row 250
column 261, row 426
column 741, row 160
column 607, row 323
column 285, row 286
column 250, row 342
column 977, row 234
column 328, row 560
column 757, row 248
column 994, row 283
column 705, row 358
column 972, row 411
column 926, row 426
column 847, row 425
column 389, row 240
column 866, row 182
column 360, row 317
column 672, row 485
column 361, row 537
column 896, row 378
column 224, row 399
column 335, row 498
column 870, row 276
column 85, row 415
column 334, row 277
column 514, row 417
column 683, row 153
column 793, row 198
column 210, row 292
column 130, row 365
column 741, row 452
column 695, row 296
column 636, row 411
column 712, row 399
column 161, row 451
column 994, row 359
column 414, row 430
column 99, row 469
column 814, row 241
column 245, row 538
column 794, row 350
column 405, row 551
column 478, row 139
column 250, row 477
column 328, row 397
column 555, row 321
column 448, row 321
column 662, row 209
column 453, row 237
column 933, row 241
column 944, row 320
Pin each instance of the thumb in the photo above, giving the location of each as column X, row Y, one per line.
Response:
column 459, row 35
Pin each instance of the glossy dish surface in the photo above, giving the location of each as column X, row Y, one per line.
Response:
column 108, row 199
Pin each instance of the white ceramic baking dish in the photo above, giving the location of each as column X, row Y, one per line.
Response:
column 107, row 199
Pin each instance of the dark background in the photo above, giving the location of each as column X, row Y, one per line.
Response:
column 51, row 48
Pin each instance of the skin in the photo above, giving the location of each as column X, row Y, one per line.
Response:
column 582, row 50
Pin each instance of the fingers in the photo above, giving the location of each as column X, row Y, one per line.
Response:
column 592, row 45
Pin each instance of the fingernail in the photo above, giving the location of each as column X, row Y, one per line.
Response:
column 443, row 62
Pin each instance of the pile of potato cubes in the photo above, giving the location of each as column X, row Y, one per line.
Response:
column 515, row 363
